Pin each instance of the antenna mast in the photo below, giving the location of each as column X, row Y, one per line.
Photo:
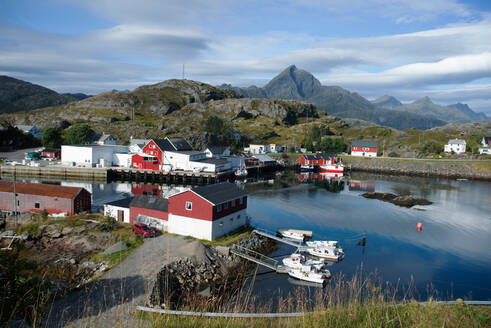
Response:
column 183, row 71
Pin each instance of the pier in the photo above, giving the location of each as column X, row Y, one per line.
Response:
column 300, row 247
column 259, row 259
column 60, row 172
column 173, row 177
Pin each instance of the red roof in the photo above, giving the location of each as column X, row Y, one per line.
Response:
column 40, row 189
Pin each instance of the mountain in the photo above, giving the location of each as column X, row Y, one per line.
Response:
column 296, row 84
column 17, row 95
column 386, row 101
column 457, row 113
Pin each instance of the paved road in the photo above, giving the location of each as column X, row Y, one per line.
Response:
column 17, row 155
column 111, row 300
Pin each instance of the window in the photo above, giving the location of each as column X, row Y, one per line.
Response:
column 241, row 201
column 238, row 217
column 36, row 205
column 220, row 224
column 225, row 206
column 231, row 219
column 219, row 207
column 233, row 203
column 189, row 206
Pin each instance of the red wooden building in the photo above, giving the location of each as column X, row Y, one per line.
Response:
column 364, row 148
column 32, row 197
column 146, row 162
column 205, row 212
column 317, row 159
column 51, row 153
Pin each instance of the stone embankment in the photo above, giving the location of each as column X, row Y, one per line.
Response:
column 457, row 169
column 210, row 274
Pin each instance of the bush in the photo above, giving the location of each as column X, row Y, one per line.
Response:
column 52, row 138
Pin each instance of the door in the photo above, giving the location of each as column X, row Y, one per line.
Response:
column 120, row 215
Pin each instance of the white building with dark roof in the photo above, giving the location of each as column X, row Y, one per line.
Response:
column 457, row 146
column 364, row 148
column 486, row 146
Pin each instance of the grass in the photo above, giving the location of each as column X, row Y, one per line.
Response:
column 372, row 315
column 227, row 240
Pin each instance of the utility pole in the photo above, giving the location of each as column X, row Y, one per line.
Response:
column 183, row 71
column 15, row 197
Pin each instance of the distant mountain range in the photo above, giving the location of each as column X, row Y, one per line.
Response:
column 17, row 95
column 297, row 84
column 456, row 113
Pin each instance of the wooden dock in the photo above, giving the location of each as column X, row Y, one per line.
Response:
column 259, row 258
column 59, row 172
column 173, row 177
column 264, row 233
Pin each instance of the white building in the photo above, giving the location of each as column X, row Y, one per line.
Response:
column 122, row 159
column 30, row 129
column 90, row 155
column 455, row 145
column 486, row 144
column 195, row 161
column 136, row 145
column 106, row 139
column 217, row 151
column 119, row 210
column 275, row 149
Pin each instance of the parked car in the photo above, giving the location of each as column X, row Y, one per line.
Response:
column 144, row 230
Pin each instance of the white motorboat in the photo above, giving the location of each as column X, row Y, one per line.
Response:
column 294, row 234
column 325, row 243
column 241, row 172
column 306, row 168
column 297, row 261
column 326, row 252
column 307, row 274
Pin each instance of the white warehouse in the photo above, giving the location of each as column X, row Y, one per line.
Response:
column 91, row 155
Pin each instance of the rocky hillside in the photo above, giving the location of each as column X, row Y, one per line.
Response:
column 456, row 113
column 17, row 95
column 297, row 84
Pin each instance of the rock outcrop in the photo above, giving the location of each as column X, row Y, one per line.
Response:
column 406, row 201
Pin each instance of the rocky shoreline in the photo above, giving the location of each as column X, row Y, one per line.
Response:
column 205, row 280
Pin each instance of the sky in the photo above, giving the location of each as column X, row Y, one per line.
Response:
column 405, row 48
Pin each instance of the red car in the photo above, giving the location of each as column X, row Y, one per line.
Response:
column 144, row 230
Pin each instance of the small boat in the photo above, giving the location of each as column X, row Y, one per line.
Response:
column 298, row 235
column 332, row 168
column 325, row 243
column 304, row 283
column 306, row 168
column 241, row 172
column 296, row 261
column 309, row 274
column 326, row 252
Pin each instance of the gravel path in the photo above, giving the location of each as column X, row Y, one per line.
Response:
column 111, row 300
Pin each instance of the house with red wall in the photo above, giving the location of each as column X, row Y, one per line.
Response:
column 364, row 148
column 317, row 159
column 145, row 162
column 51, row 153
column 205, row 212
column 37, row 198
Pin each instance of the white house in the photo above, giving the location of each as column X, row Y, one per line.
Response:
column 486, row 146
column 193, row 161
column 106, row 139
column 122, row 159
column 455, row 145
column 90, row 155
column 217, row 151
column 136, row 145
column 30, row 129
column 275, row 149
column 119, row 209
column 364, row 148
column 256, row 149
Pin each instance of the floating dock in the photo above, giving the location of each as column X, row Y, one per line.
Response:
column 60, row 172
column 298, row 246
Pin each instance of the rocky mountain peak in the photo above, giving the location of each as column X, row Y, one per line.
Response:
column 292, row 83
column 387, row 101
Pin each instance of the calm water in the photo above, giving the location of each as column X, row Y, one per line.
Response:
column 452, row 254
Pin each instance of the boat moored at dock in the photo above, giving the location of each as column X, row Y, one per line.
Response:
column 324, row 243
column 297, row 261
column 293, row 234
column 307, row 273
column 326, row 252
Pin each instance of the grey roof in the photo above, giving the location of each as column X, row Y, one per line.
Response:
column 364, row 143
column 173, row 144
column 187, row 152
column 105, row 137
column 125, row 202
column 457, row 141
column 217, row 150
column 139, row 142
column 51, row 150
column 219, row 192
column 149, row 202
column 216, row 161
column 264, row 158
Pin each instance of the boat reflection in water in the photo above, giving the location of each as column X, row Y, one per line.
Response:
column 332, row 182
column 359, row 185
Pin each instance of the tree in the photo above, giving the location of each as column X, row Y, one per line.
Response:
column 214, row 125
column 78, row 134
column 52, row 138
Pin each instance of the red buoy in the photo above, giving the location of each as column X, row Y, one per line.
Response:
column 419, row 226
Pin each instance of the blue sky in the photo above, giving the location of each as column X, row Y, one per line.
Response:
column 405, row 48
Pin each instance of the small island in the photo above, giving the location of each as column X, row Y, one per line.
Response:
column 406, row 201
